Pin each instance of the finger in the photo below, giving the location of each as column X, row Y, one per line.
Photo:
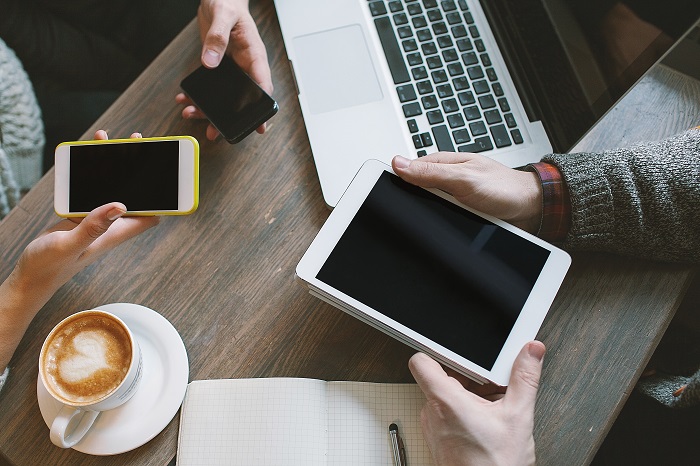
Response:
column 427, row 373
column 433, row 380
column 429, row 174
column 101, row 134
column 259, row 68
column 64, row 225
column 192, row 112
column 212, row 133
column 486, row 390
column 466, row 382
column 120, row 231
column 493, row 396
column 525, row 377
column 95, row 225
column 183, row 99
column 448, row 157
column 260, row 72
column 248, row 50
column 217, row 36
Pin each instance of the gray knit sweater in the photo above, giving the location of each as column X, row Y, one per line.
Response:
column 641, row 201
column 21, row 136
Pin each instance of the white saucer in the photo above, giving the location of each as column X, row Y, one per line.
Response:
column 165, row 373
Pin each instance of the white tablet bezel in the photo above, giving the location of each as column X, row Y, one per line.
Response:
column 188, row 175
column 526, row 325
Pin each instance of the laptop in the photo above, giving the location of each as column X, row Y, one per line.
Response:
column 510, row 79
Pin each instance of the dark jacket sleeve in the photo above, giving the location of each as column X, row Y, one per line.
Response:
column 640, row 201
column 50, row 46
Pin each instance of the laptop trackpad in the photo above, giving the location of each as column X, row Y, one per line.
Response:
column 335, row 69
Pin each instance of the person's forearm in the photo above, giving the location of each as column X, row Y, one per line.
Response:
column 642, row 201
column 17, row 309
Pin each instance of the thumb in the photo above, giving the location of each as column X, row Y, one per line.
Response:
column 216, row 40
column 95, row 224
column 525, row 377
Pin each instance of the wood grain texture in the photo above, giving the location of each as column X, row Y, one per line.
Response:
column 224, row 276
column 611, row 311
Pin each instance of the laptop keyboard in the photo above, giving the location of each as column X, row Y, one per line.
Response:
column 448, row 89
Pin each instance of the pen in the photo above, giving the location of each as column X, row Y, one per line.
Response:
column 397, row 446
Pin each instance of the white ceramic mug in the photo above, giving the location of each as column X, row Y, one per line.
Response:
column 90, row 362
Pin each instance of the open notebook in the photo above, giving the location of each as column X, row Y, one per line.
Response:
column 293, row 421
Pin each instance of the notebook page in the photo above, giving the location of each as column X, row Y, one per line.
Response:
column 253, row 422
column 359, row 415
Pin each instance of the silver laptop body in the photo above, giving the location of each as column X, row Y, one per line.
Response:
column 356, row 107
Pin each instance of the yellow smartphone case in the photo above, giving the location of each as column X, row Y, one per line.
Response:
column 195, row 143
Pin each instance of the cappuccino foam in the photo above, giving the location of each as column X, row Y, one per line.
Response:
column 87, row 358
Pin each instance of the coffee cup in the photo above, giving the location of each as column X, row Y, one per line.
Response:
column 90, row 362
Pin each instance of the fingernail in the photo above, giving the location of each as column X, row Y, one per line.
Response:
column 115, row 213
column 536, row 351
column 211, row 58
column 401, row 162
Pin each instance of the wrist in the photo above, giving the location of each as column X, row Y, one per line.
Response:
column 21, row 292
column 17, row 309
column 531, row 209
column 555, row 206
column 475, row 456
column 13, row 290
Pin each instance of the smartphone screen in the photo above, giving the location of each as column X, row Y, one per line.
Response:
column 142, row 175
column 230, row 99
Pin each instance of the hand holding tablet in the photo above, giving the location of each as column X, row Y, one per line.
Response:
column 463, row 287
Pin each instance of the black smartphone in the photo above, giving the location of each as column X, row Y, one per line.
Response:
column 230, row 99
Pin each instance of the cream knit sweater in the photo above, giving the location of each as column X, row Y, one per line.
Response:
column 21, row 131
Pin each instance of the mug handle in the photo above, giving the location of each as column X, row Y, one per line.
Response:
column 71, row 425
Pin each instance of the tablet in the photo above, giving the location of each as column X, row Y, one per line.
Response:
column 464, row 287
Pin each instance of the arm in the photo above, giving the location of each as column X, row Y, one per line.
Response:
column 52, row 259
column 639, row 201
column 55, row 257
column 226, row 26
column 462, row 428
column 479, row 182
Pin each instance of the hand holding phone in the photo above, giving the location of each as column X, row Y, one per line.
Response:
column 151, row 176
column 234, row 103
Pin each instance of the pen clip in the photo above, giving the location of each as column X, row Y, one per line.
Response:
column 402, row 451
column 397, row 446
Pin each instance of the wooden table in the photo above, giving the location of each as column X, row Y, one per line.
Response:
column 225, row 276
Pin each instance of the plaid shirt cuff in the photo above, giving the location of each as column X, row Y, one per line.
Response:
column 556, row 207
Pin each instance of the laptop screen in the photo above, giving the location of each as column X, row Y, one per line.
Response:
column 572, row 60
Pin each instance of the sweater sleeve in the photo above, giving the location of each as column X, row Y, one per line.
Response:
column 3, row 377
column 638, row 201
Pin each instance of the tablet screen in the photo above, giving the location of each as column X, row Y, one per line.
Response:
column 435, row 268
